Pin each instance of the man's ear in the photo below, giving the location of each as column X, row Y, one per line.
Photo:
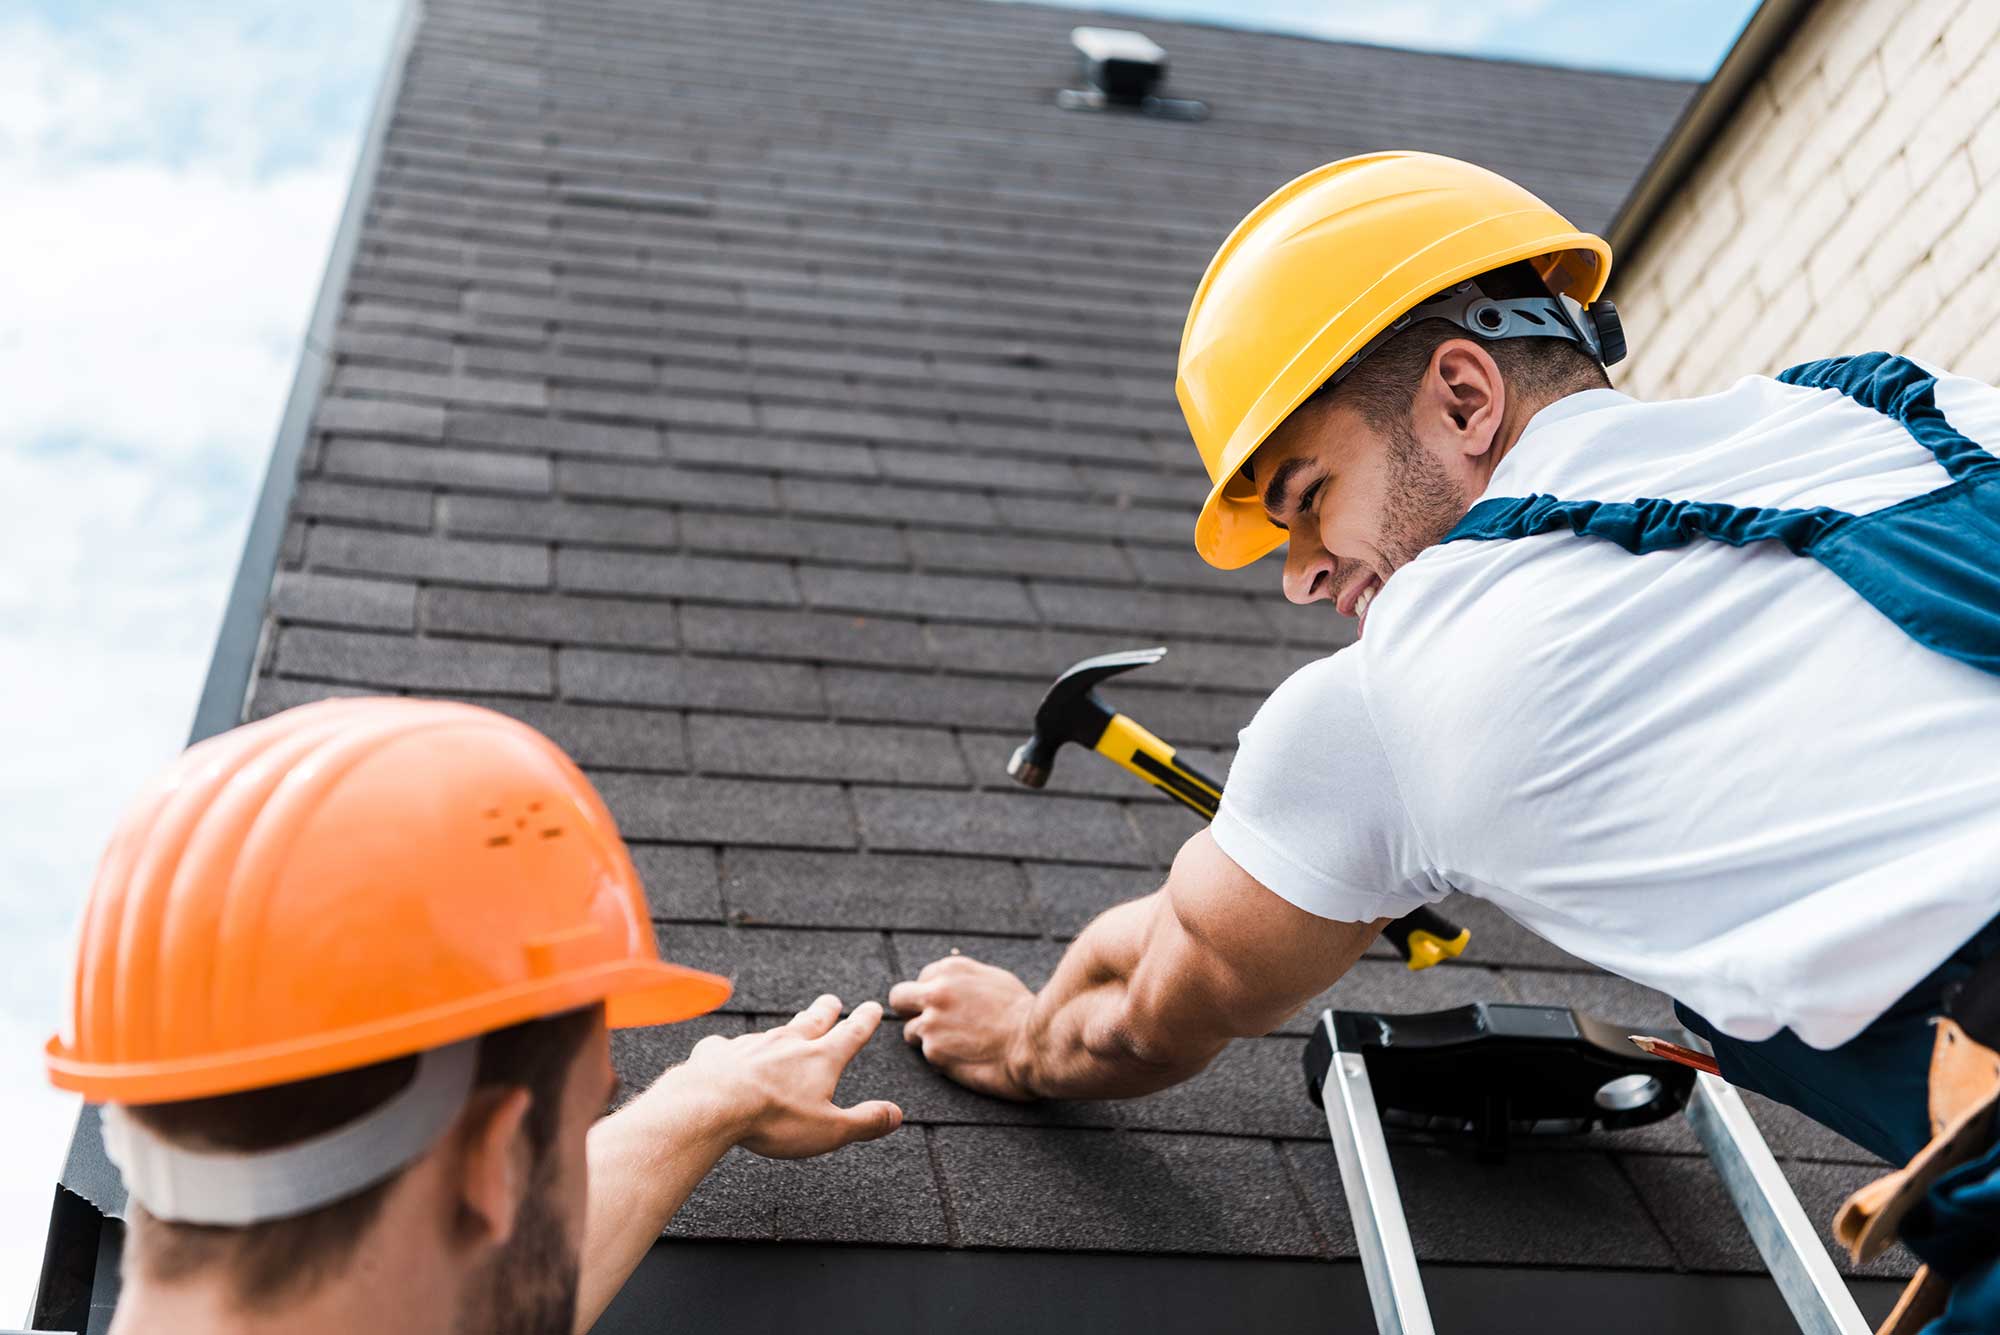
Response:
column 1467, row 394
column 495, row 1163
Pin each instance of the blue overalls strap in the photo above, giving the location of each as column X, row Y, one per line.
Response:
column 1930, row 563
column 1649, row 525
column 1897, row 387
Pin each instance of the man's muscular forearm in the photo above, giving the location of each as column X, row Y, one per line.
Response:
column 1085, row 1038
column 1144, row 998
column 1087, row 1034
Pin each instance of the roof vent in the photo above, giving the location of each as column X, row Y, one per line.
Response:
column 1122, row 69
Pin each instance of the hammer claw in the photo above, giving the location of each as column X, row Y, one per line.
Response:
column 1072, row 712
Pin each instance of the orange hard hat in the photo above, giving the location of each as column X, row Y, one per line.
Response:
column 348, row 882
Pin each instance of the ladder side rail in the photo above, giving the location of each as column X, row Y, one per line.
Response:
column 1381, row 1233
column 1778, row 1224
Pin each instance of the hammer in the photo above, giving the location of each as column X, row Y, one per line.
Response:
column 1072, row 711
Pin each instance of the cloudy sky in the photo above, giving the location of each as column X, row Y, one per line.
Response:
column 173, row 174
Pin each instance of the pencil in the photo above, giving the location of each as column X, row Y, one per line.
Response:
column 1674, row 1052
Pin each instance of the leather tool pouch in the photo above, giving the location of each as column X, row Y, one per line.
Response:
column 1964, row 1093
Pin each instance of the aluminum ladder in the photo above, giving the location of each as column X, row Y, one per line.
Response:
column 1503, row 1071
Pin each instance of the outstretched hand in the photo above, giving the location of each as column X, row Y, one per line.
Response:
column 775, row 1088
column 771, row 1093
column 968, row 1018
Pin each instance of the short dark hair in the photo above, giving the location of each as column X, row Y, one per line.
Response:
column 1382, row 387
column 271, row 1264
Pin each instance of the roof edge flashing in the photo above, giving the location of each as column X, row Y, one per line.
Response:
column 1707, row 116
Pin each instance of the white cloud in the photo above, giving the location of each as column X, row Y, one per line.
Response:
column 243, row 85
column 166, row 304
column 120, row 569
column 173, row 179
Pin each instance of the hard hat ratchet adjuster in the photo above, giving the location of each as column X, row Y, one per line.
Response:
column 1596, row 330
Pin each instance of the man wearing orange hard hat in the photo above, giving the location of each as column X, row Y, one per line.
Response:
column 1705, row 692
column 344, row 987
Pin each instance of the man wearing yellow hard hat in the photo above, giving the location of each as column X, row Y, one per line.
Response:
column 1706, row 692
column 343, row 988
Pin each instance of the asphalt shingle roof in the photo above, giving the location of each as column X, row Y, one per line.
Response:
column 766, row 399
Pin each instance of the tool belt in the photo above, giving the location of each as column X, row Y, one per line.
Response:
column 1964, row 1095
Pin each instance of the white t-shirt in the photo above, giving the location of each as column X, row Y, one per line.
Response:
column 1714, row 770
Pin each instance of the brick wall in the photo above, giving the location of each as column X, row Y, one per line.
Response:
column 1850, row 205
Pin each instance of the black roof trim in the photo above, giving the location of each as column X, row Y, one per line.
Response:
column 1703, row 121
column 833, row 1290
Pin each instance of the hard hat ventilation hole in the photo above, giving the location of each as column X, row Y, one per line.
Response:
column 1123, row 69
column 523, row 824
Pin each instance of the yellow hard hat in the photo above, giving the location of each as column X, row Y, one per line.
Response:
column 1320, row 268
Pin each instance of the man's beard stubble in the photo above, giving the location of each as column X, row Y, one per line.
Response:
column 1423, row 503
column 530, row 1288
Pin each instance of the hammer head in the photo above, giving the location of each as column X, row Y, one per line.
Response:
column 1072, row 712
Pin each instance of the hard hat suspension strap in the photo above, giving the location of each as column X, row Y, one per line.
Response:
column 235, row 1188
column 1494, row 319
